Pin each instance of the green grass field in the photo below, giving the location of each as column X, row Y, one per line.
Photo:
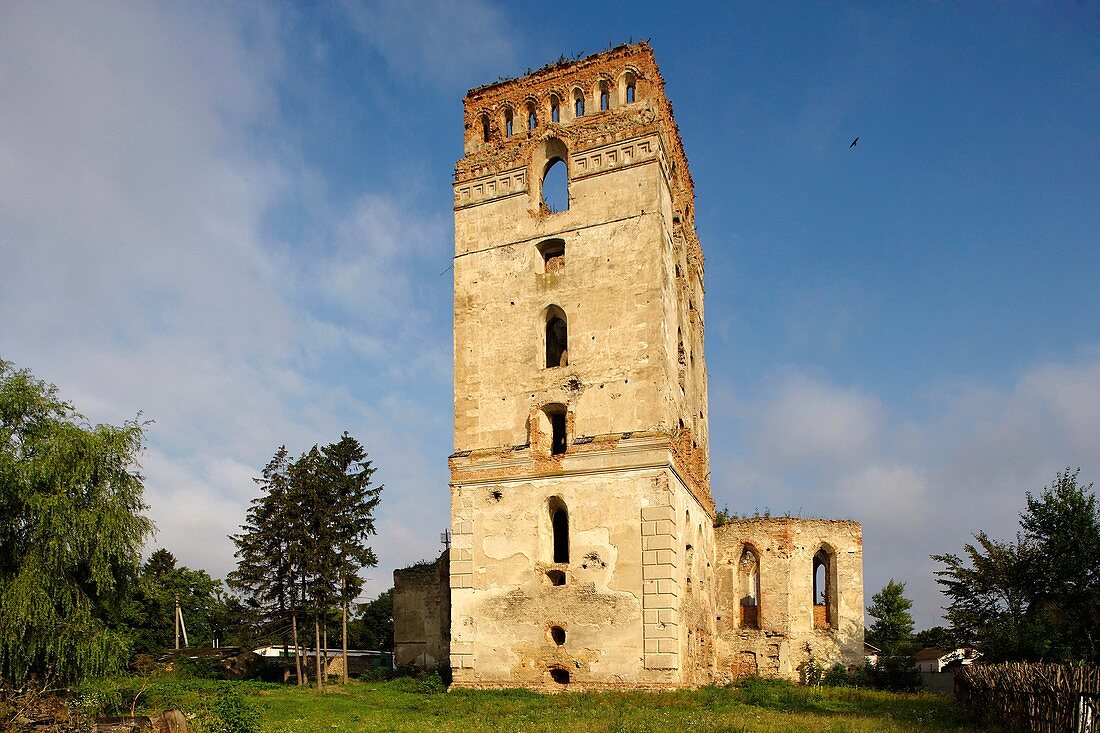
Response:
column 758, row 705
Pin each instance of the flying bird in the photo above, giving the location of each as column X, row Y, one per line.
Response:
column 854, row 143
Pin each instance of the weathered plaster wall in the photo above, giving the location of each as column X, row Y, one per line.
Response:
column 624, row 594
column 786, row 636
column 631, row 283
column 422, row 614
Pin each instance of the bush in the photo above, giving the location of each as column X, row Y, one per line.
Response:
column 202, row 668
column 226, row 711
column 431, row 684
column 377, row 674
column 895, row 674
column 837, row 676
column 97, row 697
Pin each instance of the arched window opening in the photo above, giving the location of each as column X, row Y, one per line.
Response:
column 508, row 123
column 556, row 577
column 560, row 675
column 605, row 96
column 553, row 254
column 578, row 103
column 557, row 339
column 555, row 108
column 559, row 522
column 630, row 93
column 823, row 590
column 532, row 120
column 748, row 588
column 557, row 635
column 555, row 186
column 485, row 128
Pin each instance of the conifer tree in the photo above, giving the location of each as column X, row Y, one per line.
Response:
column 892, row 631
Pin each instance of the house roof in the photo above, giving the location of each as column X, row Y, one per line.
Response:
column 928, row 653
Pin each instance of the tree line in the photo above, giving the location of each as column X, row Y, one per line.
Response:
column 75, row 598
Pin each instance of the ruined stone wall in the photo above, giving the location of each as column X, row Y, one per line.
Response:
column 784, row 634
column 422, row 614
column 620, row 601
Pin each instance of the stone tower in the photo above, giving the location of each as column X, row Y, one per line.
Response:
column 581, row 511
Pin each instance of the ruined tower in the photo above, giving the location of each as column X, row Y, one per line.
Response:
column 581, row 509
column 584, row 550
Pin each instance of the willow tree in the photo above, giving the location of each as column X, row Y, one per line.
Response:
column 71, row 533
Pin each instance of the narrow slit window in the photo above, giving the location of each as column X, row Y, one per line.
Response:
column 630, row 92
column 559, row 520
column 748, row 582
column 532, row 120
column 484, row 128
column 823, row 590
column 605, row 98
column 578, row 104
column 508, row 123
column 557, row 433
column 555, row 111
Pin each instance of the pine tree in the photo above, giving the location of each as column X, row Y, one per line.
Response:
column 304, row 540
column 892, row 631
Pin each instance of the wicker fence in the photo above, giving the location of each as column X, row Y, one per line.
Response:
column 1042, row 698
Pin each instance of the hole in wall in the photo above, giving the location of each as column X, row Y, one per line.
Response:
column 559, row 675
column 556, row 577
column 557, row 633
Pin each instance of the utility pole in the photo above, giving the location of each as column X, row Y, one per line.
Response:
column 180, row 623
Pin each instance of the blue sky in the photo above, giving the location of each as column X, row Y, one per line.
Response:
column 234, row 219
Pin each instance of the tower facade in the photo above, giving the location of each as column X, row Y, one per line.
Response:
column 581, row 514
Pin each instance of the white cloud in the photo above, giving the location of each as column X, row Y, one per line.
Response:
column 920, row 485
column 806, row 421
column 143, row 149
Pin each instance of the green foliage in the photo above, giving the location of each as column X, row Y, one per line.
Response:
column 202, row 668
column 373, row 629
column 722, row 516
column 894, row 674
column 937, row 637
column 893, row 628
column 1037, row 598
column 150, row 608
column 71, row 532
column 836, row 676
column 227, row 711
column 304, row 540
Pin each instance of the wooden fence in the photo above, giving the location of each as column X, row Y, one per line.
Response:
column 1041, row 698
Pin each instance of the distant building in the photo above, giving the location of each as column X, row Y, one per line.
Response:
column 937, row 660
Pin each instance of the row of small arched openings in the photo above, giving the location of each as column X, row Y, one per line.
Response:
column 556, row 107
